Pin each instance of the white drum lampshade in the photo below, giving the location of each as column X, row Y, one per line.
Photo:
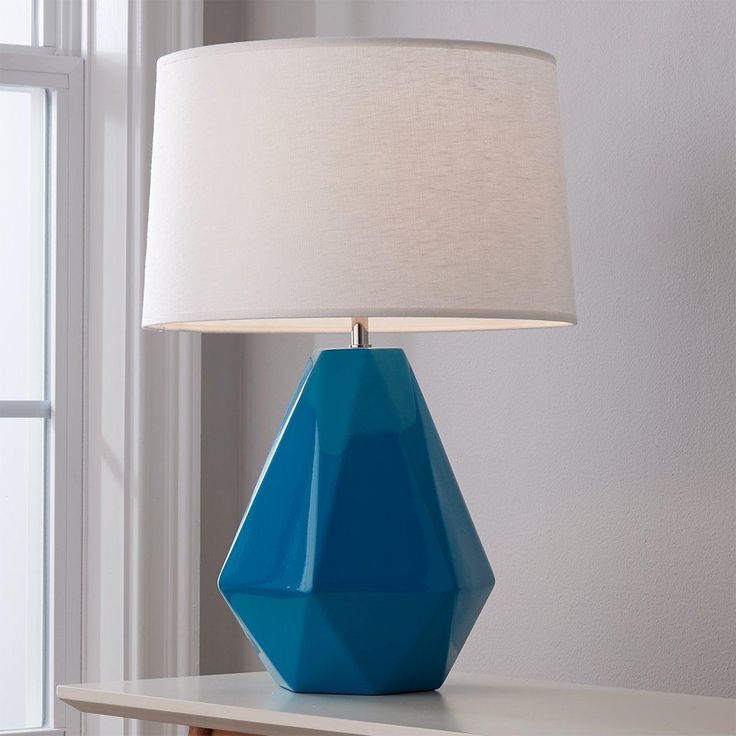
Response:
column 299, row 184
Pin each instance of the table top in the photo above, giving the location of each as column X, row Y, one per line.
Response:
column 466, row 704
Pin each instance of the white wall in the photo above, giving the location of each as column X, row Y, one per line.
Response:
column 599, row 462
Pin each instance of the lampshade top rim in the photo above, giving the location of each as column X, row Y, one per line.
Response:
column 286, row 43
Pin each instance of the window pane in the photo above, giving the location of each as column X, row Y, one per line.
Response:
column 18, row 22
column 21, row 572
column 22, row 241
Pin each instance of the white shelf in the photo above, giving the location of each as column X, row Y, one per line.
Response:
column 466, row 704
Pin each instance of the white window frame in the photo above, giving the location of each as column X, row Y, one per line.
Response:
column 63, row 409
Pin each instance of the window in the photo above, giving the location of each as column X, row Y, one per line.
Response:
column 23, row 113
column 29, row 22
column 19, row 22
column 41, row 282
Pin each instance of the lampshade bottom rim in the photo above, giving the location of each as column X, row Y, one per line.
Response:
column 376, row 324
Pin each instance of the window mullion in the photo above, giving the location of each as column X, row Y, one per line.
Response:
column 25, row 409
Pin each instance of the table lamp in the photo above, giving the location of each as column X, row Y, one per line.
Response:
column 356, row 185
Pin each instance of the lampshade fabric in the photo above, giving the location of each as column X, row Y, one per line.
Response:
column 298, row 184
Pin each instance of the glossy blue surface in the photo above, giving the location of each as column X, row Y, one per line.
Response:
column 357, row 568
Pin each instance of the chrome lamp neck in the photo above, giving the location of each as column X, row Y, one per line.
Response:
column 359, row 333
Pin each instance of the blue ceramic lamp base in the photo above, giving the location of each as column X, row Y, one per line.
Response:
column 357, row 568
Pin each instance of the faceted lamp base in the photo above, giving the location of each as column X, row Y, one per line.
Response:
column 357, row 568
